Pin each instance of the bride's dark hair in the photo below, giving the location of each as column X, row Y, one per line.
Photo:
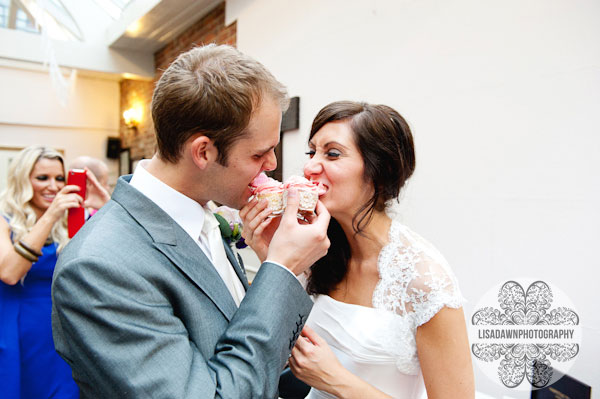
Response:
column 385, row 143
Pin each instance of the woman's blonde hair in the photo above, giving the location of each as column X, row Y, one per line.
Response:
column 15, row 199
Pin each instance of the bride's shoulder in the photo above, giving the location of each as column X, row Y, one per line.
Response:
column 412, row 269
column 410, row 250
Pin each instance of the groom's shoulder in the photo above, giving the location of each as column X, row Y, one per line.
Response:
column 109, row 233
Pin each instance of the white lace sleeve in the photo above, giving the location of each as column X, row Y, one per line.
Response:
column 416, row 280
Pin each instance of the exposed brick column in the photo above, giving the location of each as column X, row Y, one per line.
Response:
column 141, row 141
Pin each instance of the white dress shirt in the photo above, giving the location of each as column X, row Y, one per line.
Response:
column 190, row 215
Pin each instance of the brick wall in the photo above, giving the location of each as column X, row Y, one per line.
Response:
column 209, row 29
column 140, row 140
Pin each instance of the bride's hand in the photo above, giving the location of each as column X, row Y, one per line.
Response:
column 258, row 227
column 314, row 362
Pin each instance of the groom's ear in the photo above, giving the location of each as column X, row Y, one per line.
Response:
column 203, row 151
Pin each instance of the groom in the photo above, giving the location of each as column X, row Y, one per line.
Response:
column 147, row 302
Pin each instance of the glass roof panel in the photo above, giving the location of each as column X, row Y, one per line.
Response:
column 31, row 16
column 14, row 15
column 52, row 16
column 4, row 5
column 25, row 23
column 114, row 8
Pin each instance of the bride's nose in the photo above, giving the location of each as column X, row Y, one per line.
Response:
column 313, row 168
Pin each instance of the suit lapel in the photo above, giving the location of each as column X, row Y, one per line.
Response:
column 192, row 262
column 172, row 241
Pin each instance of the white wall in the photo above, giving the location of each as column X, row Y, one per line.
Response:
column 503, row 98
column 30, row 113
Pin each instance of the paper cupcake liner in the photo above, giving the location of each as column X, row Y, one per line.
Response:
column 275, row 202
column 307, row 200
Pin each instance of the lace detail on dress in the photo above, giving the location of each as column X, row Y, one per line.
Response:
column 415, row 283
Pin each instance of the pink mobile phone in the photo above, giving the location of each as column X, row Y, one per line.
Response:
column 76, row 217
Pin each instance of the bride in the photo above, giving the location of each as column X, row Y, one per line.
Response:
column 387, row 319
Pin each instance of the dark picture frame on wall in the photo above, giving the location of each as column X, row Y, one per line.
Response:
column 290, row 120
column 124, row 162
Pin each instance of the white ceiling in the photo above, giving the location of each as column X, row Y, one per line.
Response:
column 148, row 29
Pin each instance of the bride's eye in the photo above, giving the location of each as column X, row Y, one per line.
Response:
column 333, row 154
column 310, row 153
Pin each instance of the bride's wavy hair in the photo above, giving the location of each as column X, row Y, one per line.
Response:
column 386, row 146
column 15, row 199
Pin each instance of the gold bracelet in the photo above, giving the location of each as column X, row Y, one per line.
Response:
column 23, row 252
column 29, row 249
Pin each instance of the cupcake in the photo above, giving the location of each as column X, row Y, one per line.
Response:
column 308, row 194
column 264, row 187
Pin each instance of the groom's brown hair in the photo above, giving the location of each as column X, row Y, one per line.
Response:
column 211, row 90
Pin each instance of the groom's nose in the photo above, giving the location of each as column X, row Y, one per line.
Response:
column 270, row 161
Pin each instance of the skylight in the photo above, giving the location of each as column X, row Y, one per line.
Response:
column 14, row 16
column 114, row 8
column 33, row 16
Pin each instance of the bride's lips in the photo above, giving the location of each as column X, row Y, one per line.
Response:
column 322, row 188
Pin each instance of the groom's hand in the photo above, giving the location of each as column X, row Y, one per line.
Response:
column 259, row 228
column 297, row 246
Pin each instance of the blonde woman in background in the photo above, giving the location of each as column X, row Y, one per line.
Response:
column 33, row 230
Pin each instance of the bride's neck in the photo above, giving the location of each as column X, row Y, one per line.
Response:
column 369, row 242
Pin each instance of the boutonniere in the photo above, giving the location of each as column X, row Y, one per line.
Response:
column 230, row 225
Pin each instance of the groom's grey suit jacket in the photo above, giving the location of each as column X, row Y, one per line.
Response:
column 140, row 312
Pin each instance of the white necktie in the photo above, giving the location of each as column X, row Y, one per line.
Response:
column 212, row 234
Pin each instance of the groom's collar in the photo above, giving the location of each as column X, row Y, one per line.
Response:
column 188, row 213
column 150, row 216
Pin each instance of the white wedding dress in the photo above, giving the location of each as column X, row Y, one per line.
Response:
column 378, row 343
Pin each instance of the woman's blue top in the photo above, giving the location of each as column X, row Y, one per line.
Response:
column 29, row 364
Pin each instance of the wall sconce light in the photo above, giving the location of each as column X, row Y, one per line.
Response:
column 132, row 117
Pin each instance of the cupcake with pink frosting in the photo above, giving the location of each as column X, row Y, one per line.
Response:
column 270, row 189
column 308, row 193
